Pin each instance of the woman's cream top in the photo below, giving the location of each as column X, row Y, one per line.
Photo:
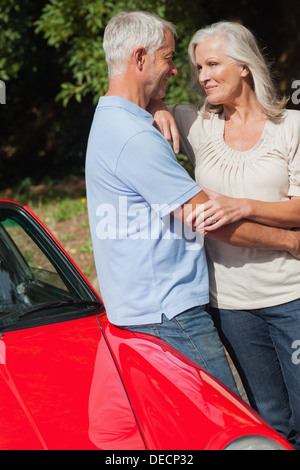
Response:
column 244, row 278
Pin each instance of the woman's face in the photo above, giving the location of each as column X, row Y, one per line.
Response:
column 219, row 75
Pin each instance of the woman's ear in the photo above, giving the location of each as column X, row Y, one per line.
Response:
column 245, row 71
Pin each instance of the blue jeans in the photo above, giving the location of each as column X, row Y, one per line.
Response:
column 193, row 333
column 262, row 345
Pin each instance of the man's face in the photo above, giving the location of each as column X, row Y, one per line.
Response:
column 159, row 71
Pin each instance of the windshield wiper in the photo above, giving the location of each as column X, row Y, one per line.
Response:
column 13, row 317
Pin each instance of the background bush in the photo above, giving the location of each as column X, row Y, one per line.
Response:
column 52, row 62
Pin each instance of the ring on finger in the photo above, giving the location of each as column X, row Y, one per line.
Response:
column 212, row 219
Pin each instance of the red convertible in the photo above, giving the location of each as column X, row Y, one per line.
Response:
column 71, row 380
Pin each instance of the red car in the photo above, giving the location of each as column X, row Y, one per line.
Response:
column 71, row 380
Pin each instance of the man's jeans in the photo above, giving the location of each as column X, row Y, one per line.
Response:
column 194, row 334
column 262, row 345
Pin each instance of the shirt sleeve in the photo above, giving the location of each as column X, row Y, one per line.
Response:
column 294, row 153
column 148, row 166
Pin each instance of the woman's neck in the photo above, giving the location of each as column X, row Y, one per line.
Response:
column 245, row 110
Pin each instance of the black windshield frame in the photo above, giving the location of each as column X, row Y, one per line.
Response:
column 76, row 283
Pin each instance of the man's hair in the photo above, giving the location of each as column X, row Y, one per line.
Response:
column 128, row 31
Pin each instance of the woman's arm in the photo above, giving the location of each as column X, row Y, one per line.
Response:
column 225, row 210
column 285, row 214
column 164, row 122
column 244, row 233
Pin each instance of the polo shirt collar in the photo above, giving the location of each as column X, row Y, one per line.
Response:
column 119, row 102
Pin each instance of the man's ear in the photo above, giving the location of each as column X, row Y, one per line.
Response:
column 139, row 57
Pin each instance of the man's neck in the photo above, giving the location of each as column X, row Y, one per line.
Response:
column 121, row 86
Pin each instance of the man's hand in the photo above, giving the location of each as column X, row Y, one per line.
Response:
column 294, row 236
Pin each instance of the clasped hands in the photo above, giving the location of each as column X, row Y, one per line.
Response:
column 219, row 210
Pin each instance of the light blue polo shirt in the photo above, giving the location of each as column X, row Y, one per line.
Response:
column 148, row 263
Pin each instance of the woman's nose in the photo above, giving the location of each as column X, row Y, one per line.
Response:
column 203, row 76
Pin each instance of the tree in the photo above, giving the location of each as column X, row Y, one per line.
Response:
column 76, row 28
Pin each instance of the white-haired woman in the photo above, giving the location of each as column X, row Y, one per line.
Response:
column 246, row 149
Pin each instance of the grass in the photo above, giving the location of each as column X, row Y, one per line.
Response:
column 62, row 207
column 68, row 208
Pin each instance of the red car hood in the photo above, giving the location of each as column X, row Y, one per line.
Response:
column 45, row 379
column 63, row 387
column 176, row 404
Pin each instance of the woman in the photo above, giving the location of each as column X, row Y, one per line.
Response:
column 246, row 149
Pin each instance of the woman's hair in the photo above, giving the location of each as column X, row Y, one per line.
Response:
column 240, row 45
column 129, row 30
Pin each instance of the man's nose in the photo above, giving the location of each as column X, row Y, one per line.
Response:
column 174, row 70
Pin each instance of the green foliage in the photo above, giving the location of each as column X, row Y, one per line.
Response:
column 74, row 29
column 79, row 25
column 9, row 66
column 17, row 29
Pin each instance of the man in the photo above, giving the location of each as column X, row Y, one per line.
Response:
column 138, row 197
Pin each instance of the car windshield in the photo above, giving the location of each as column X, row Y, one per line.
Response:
column 33, row 271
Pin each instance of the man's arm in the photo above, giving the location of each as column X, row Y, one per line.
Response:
column 246, row 233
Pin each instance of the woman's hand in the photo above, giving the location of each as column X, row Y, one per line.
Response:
column 218, row 211
column 164, row 122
